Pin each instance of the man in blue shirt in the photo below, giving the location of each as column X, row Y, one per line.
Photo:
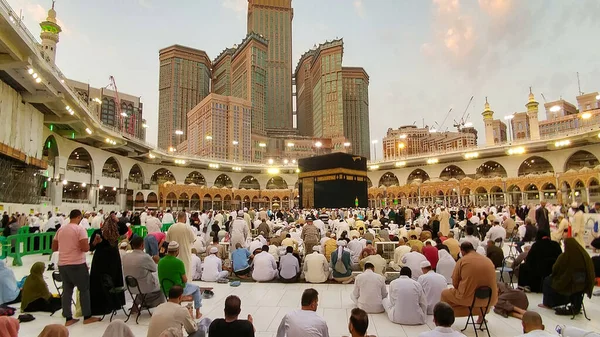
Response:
column 239, row 257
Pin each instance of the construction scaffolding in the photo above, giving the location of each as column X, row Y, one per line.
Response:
column 19, row 183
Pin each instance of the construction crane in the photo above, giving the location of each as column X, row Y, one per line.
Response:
column 441, row 126
column 121, row 114
column 463, row 119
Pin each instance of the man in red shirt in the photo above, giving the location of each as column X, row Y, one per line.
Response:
column 431, row 253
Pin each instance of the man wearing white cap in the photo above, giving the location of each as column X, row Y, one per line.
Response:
column 413, row 261
column 433, row 284
column 406, row 302
column 171, row 272
column 213, row 267
column 239, row 230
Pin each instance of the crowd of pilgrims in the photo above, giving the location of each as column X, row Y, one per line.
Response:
column 432, row 254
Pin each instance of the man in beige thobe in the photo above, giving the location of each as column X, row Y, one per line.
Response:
column 182, row 234
column 445, row 221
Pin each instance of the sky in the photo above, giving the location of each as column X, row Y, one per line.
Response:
column 423, row 56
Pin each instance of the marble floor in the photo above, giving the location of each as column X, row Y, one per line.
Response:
column 269, row 302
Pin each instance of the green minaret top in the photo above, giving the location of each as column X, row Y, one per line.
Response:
column 50, row 25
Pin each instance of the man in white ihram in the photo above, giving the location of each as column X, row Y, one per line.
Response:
column 265, row 266
column 406, row 302
column 304, row 322
column 433, row 284
column 213, row 267
column 369, row 290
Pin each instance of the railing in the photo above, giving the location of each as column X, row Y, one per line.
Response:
column 77, row 201
column 19, row 245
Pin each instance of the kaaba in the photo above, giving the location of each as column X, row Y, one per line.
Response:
column 336, row 180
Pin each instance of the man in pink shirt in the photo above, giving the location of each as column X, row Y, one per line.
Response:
column 71, row 242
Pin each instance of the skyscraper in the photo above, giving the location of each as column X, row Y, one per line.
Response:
column 184, row 81
column 356, row 109
column 273, row 20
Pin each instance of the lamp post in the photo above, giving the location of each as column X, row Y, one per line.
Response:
column 318, row 146
column 401, row 147
column 555, row 109
column 509, row 119
column 235, row 150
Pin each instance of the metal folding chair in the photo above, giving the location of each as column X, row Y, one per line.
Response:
column 481, row 293
column 112, row 291
column 132, row 283
column 56, row 279
column 507, row 267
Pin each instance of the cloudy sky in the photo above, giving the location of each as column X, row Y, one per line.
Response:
column 423, row 56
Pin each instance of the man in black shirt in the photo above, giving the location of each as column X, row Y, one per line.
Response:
column 231, row 325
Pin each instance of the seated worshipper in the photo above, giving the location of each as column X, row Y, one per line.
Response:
column 384, row 235
column 413, row 261
column 431, row 254
column 356, row 246
column 414, row 242
column 399, row 253
column 289, row 266
column 264, row 229
column 123, row 248
column 368, row 250
column 35, row 295
column 304, row 322
column 358, row 323
column 376, row 260
column 495, row 254
column 144, row 269
column 213, row 267
column 539, row 262
column 265, row 266
column 511, row 302
column 527, row 232
column 289, row 242
column 562, row 229
column 316, row 267
column 453, row 245
column 221, row 254
column 471, row 272
column 58, row 330
column 255, row 244
column 518, row 262
column 171, row 272
column 172, row 315
column 443, row 318
column 406, row 303
column 469, row 237
column 329, row 247
column 341, row 265
column 433, row 284
column 239, row 259
column 368, row 235
column 369, row 290
column 446, row 264
column 9, row 291
column 196, row 266
column 533, row 327
column 497, row 232
column 231, row 326
column 572, row 277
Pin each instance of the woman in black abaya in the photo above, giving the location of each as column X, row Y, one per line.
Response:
column 106, row 261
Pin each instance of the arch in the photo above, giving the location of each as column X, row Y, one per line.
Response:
column 481, row 190
column 227, row 202
column 581, row 159
column 207, row 202
column 594, row 190
column 136, row 175
column 171, row 200
column 452, row 171
column 139, row 200
column 369, row 183
column 223, row 180
column 550, row 192
column 388, row 179
column 496, row 189
column 535, row 165
column 417, row 175
column 111, row 168
column 277, row 183
column 250, row 183
column 152, row 200
column 162, row 176
column 195, row 202
column 491, row 169
column 217, row 202
column 80, row 160
column 532, row 192
column 195, row 178
column 50, row 150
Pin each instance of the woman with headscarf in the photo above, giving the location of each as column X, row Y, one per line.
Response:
column 35, row 295
column 341, row 263
column 118, row 328
column 511, row 302
column 9, row 291
column 9, row 327
column 445, row 264
column 572, row 278
column 106, row 262
column 54, row 330
column 539, row 261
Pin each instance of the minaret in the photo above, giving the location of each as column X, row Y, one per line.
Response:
column 49, row 35
column 532, row 114
column 488, row 118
